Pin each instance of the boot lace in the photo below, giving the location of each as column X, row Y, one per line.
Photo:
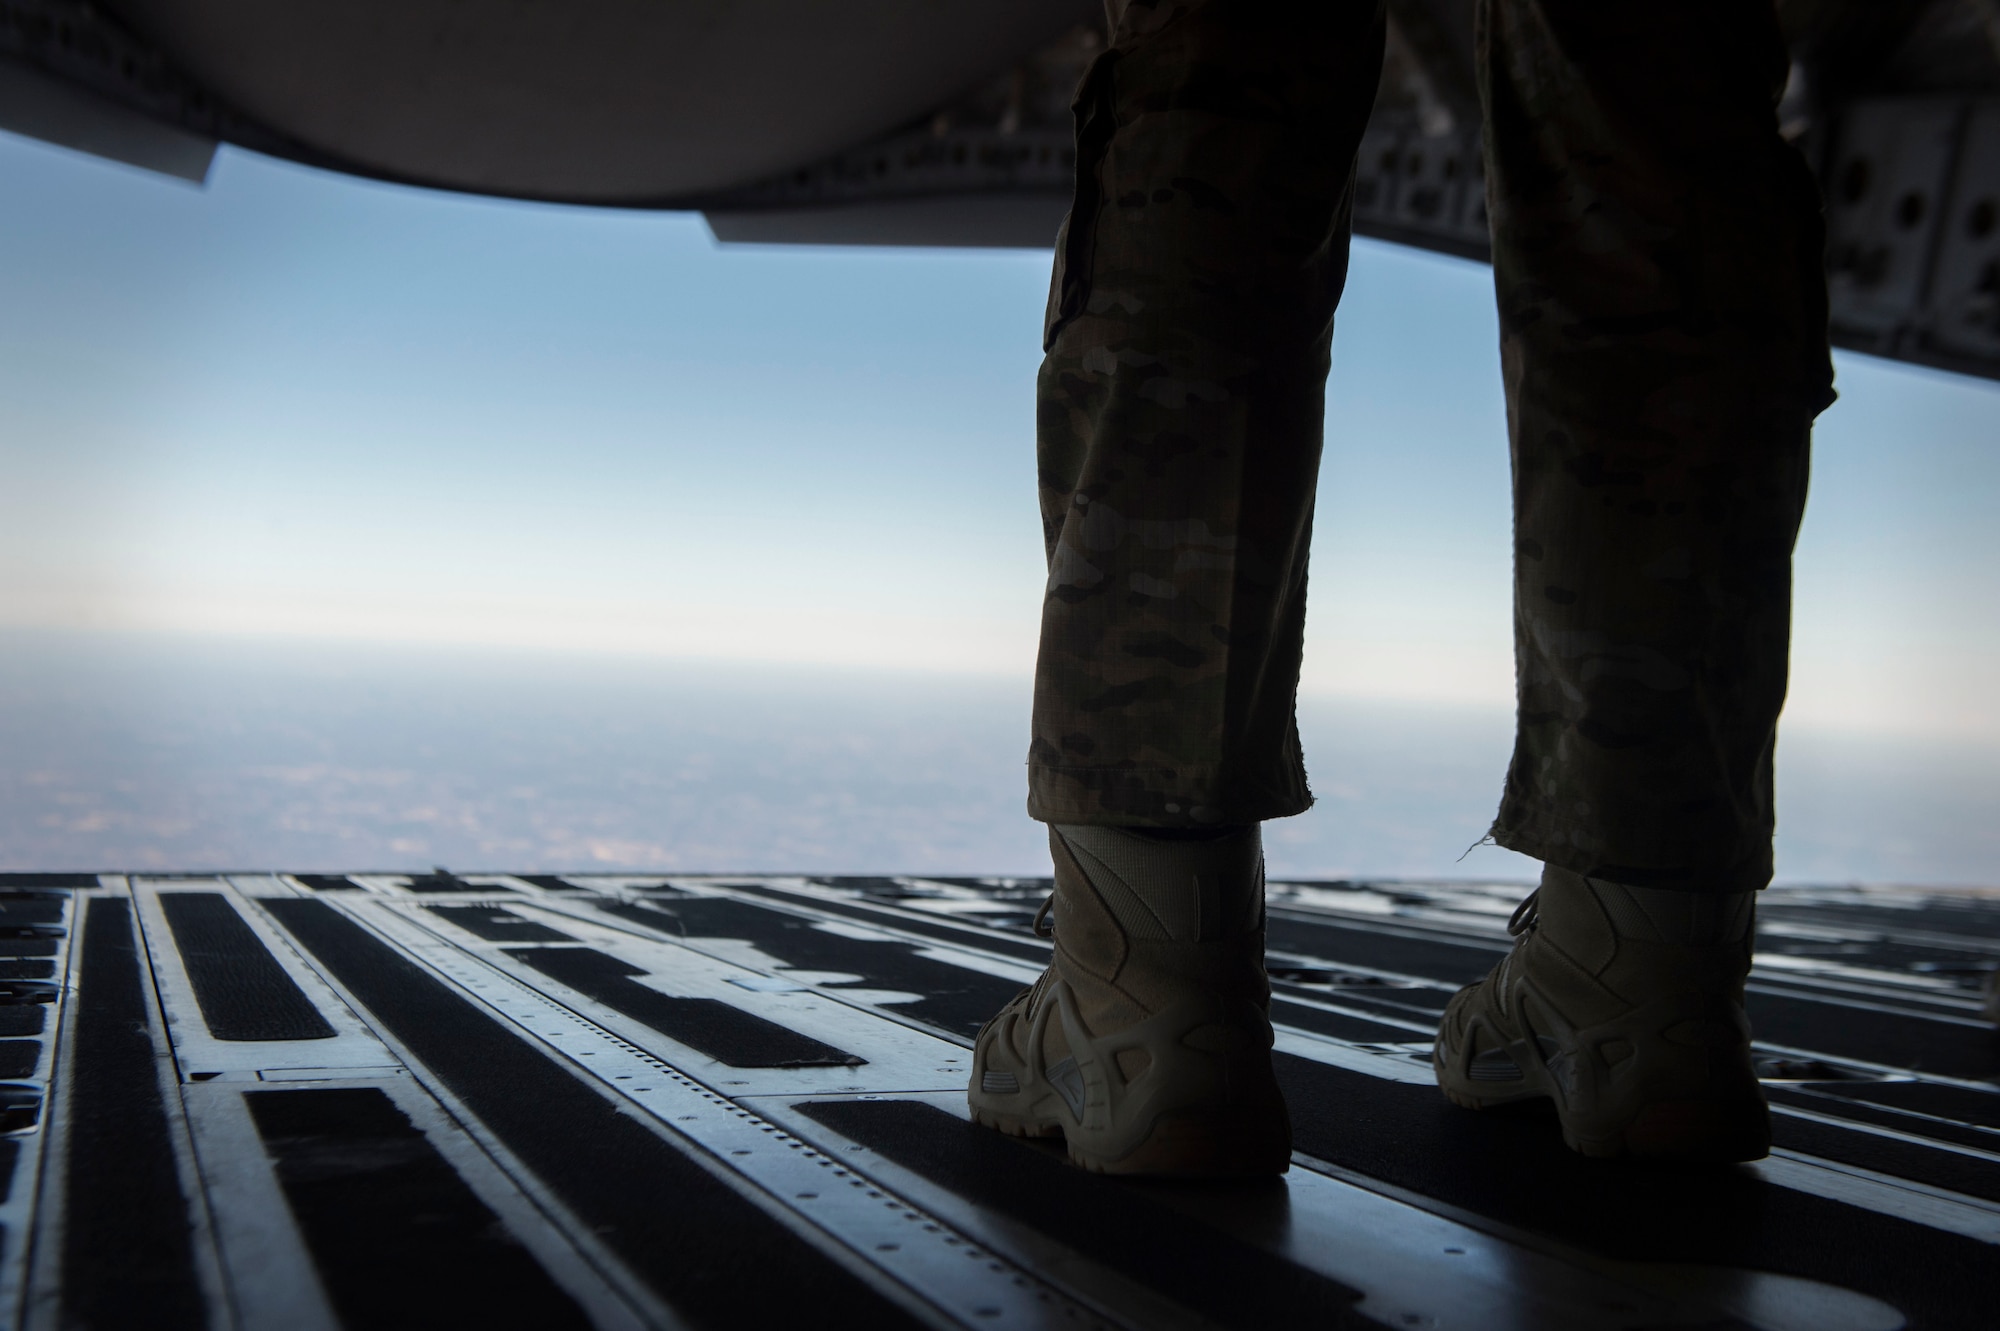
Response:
column 1526, row 915
column 1045, row 923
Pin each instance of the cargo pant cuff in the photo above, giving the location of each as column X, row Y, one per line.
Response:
column 1157, row 797
column 1583, row 850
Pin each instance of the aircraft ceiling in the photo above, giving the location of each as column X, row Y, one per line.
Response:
column 942, row 122
column 589, row 101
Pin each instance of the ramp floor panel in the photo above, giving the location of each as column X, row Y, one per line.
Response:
column 318, row 1101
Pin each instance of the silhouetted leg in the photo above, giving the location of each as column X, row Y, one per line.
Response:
column 1657, row 256
column 1180, row 406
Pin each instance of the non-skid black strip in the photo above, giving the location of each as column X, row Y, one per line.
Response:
column 1318, row 1020
column 23, row 1018
column 18, row 881
column 1907, row 1040
column 1936, row 1166
column 31, row 907
column 1114, row 1223
column 445, row 882
column 1973, row 918
column 1339, row 1025
column 27, row 970
column 28, row 942
column 953, row 997
column 979, row 938
column 1511, row 1166
column 714, row 1255
column 127, row 1252
column 1424, row 1006
column 328, row 882
column 1807, row 1096
column 871, row 885
column 244, row 993
column 497, row 924
column 1042, row 886
column 548, row 882
column 10, row 1156
column 1455, row 961
column 29, row 991
column 18, row 1058
column 20, row 1108
column 1878, row 954
column 1961, row 1103
column 985, row 939
column 709, row 1026
column 1836, row 1030
column 886, row 916
column 399, row 1239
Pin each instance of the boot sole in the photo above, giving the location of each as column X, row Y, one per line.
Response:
column 1694, row 1131
column 1014, row 1125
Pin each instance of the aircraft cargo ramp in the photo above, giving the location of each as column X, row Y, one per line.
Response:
column 489, row 1101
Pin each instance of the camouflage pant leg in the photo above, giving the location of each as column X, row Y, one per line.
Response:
column 1180, row 406
column 1663, row 334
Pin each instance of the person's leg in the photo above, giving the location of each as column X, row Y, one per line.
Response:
column 1657, row 259
column 1180, row 407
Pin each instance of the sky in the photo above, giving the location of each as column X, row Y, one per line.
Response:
column 290, row 407
column 294, row 403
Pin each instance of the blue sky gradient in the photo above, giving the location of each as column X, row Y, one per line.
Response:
column 293, row 404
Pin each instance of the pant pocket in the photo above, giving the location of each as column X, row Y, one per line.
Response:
column 1096, row 122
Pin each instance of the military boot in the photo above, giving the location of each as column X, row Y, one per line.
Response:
column 1146, row 1044
column 1624, row 1006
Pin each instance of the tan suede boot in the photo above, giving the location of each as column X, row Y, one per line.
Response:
column 1624, row 1006
column 1147, row 1042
